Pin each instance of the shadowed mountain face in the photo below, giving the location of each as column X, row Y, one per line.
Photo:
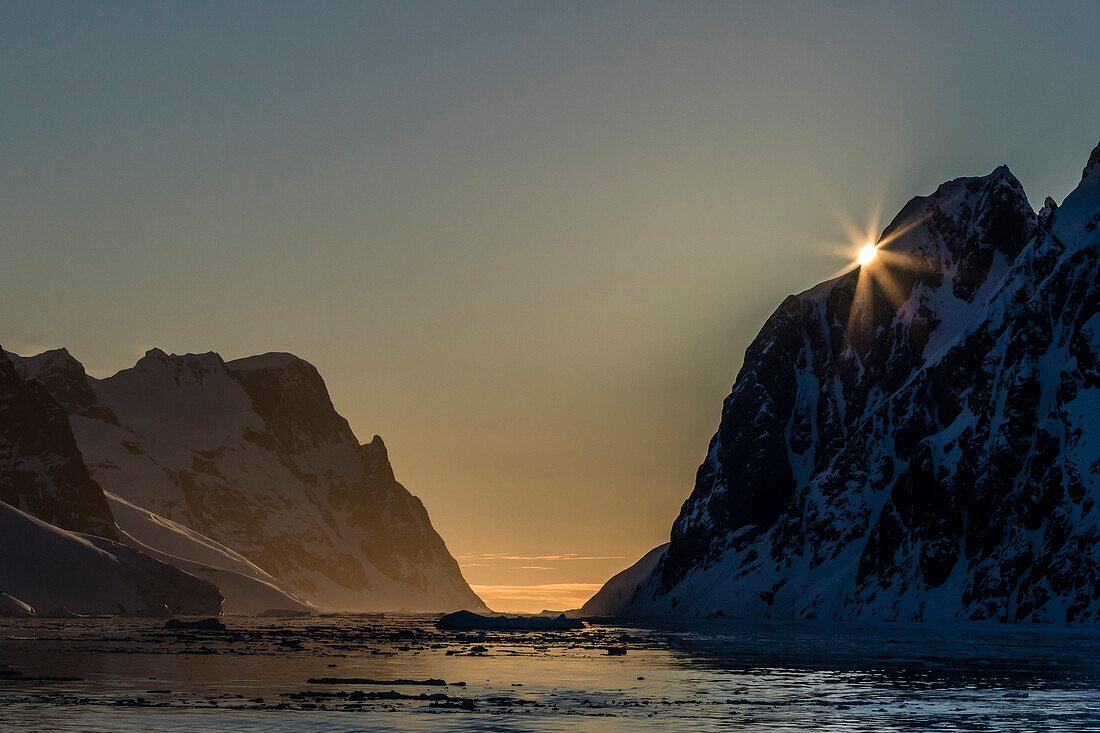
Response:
column 252, row 455
column 918, row 438
column 41, row 470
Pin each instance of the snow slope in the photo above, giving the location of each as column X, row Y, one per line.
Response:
column 247, row 589
column 51, row 569
column 617, row 593
column 918, row 439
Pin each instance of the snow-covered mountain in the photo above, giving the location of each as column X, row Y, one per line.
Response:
column 918, row 438
column 246, row 465
column 61, row 549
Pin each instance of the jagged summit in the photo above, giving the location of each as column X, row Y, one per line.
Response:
column 958, row 232
column 41, row 469
column 920, row 438
column 377, row 458
column 1045, row 213
column 156, row 359
column 965, row 230
column 1093, row 163
column 66, row 381
column 48, row 362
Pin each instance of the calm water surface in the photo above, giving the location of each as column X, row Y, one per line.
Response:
column 132, row 675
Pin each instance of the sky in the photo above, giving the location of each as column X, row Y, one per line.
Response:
column 525, row 242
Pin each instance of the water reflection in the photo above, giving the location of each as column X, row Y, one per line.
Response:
column 982, row 655
column 134, row 675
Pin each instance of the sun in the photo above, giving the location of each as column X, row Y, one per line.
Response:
column 867, row 253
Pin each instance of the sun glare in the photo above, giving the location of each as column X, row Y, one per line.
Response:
column 867, row 253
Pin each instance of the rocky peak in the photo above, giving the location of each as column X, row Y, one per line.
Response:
column 955, row 234
column 1045, row 213
column 42, row 471
column 1093, row 163
column 828, row 354
column 182, row 367
column 376, row 459
column 291, row 397
column 916, row 439
column 66, row 381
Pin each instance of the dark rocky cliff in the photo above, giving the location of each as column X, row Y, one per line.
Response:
column 41, row 469
column 917, row 439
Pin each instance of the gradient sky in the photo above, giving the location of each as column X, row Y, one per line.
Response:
column 527, row 243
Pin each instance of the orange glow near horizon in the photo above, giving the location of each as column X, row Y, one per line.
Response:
column 535, row 598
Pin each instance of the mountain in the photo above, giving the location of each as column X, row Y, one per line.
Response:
column 61, row 547
column 917, row 439
column 41, row 470
column 250, row 461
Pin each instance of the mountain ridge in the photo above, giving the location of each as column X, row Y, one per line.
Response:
column 913, row 440
column 252, row 454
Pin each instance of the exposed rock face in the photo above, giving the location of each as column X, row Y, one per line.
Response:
column 252, row 455
column 41, row 470
column 919, row 438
